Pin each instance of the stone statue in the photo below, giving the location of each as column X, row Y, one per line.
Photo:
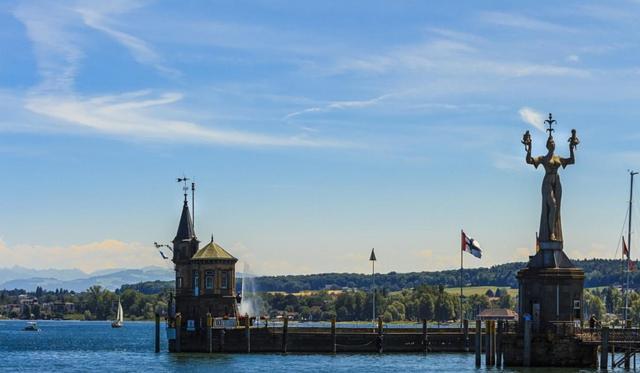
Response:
column 550, row 221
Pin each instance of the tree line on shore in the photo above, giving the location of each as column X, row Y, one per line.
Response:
column 141, row 301
column 96, row 303
column 400, row 296
column 434, row 303
column 598, row 272
column 423, row 302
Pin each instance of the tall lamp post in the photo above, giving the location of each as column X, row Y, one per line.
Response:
column 372, row 258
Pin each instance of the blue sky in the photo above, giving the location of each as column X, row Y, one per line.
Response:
column 315, row 131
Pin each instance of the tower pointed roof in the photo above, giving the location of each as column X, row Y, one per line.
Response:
column 185, row 228
column 213, row 251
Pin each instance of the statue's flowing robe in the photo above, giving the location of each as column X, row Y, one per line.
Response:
column 550, row 217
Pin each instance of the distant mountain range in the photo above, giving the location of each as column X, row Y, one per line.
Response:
column 77, row 280
column 598, row 272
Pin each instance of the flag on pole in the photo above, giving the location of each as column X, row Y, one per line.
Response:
column 471, row 246
column 625, row 249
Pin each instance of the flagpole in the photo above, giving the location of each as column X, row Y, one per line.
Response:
column 373, row 259
column 626, row 289
column 461, row 296
column 373, row 277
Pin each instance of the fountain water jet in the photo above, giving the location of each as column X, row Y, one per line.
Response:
column 251, row 304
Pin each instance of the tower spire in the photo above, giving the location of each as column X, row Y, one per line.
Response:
column 185, row 227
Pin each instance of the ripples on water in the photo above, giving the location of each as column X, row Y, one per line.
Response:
column 81, row 346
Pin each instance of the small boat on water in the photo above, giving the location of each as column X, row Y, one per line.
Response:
column 32, row 326
column 119, row 321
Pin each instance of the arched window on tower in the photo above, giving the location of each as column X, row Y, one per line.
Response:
column 209, row 279
column 224, row 283
column 196, row 282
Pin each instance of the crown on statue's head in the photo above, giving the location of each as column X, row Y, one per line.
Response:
column 550, row 122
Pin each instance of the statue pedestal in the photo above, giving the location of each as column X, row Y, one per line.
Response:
column 550, row 288
column 550, row 295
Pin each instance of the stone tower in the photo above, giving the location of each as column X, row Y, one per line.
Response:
column 205, row 277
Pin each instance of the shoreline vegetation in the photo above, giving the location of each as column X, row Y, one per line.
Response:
column 435, row 304
column 399, row 296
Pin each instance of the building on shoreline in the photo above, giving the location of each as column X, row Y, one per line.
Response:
column 205, row 277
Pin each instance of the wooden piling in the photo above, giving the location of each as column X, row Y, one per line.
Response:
column 178, row 331
column 425, row 340
column 627, row 359
column 604, row 348
column 465, row 330
column 333, row 333
column 478, row 345
column 494, row 342
column 499, row 344
column 222, row 333
column 613, row 354
column 489, row 343
column 526, row 358
column 380, row 335
column 210, row 332
column 157, row 332
column 247, row 333
column 285, row 330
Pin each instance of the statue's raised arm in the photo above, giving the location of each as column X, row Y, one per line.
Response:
column 526, row 141
column 573, row 143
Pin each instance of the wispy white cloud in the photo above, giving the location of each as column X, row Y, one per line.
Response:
column 608, row 13
column 126, row 115
column 573, row 58
column 89, row 257
column 55, row 45
column 532, row 117
column 340, row 105
column 453, row 59
column 514, row 20
column 54, row 32
column 141, row 50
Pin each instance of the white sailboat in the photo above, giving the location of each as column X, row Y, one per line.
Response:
column 119, row 321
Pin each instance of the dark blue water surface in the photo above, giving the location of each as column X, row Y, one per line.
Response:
column 83, row 346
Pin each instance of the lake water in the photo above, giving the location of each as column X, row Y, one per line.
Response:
column 81, row 346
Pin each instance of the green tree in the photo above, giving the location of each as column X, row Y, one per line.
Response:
column 387, row 317
column 26, row 312
column 35, row 310
column 506, row 301
column 426, row 307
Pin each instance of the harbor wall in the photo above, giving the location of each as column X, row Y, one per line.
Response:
column 322, row 340
column 550, row 350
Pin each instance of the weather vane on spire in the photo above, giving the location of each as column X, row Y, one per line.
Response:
column 550, row 122
column 185, row 188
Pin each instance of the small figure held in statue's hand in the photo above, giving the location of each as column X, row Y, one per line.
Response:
column 573, row 140
column 526, row 140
